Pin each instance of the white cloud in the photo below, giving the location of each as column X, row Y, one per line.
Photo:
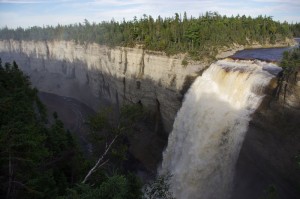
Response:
column 33, row 1
column 292, row 18
column 20, row 1
column 74, row 11
column 275, row 1
column 294, row 2
column 17, row 20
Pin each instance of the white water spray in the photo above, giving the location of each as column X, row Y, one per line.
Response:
column 210, row 127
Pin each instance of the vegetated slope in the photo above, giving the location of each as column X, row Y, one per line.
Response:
column 291, row 62
column 42, row 160
column 37, row 160
column 295, row 28
column 200, row 37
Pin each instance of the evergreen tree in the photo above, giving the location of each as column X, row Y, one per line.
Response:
column 35, row 161
column 196, row 36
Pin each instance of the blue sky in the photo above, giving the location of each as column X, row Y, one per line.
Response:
column 26, row 13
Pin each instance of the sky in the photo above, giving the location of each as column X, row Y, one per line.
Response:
column 28, row 13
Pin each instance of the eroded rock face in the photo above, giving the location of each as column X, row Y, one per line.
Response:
column 291, row 91
column 96, row 74
column 268, row 160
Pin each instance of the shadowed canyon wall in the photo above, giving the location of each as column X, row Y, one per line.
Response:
column 99, row 75
column 268, row 161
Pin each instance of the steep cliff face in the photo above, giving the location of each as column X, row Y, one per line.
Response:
column 268, row 161
column 98, row 75
column 290, row 95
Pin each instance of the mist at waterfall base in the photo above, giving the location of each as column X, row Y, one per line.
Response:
column 210, row 127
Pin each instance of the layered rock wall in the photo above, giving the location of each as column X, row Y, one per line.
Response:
column 96, row 74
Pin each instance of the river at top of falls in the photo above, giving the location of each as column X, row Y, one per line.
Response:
column 268, row 54
column 210, row 127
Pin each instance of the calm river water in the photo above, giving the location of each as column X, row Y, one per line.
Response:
column 267, row 54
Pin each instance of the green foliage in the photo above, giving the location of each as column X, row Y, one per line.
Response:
column 291, row 63
column 184, row 62
column 114, row 187
column 105, row 120
column 104, row 125
column 270, row 193
column 40, row 160
column 295, row 29
column 36, row 161
column 130, row 114
column 109, row 135
column 159, row 188
column 134, row 187
column 20, row 132
column 100, row 121
column 197, row 36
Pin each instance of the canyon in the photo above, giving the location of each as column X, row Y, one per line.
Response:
column 100, row 76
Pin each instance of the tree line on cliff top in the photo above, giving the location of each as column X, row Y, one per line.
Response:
column 198, row 36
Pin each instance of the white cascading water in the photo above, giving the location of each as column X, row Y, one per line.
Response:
column 210, row 127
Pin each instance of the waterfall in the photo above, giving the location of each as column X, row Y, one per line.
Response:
column 210, row 127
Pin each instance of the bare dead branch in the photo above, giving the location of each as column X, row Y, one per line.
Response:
column 98, row 163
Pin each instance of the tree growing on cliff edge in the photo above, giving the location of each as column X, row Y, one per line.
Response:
column 295, row 28
column 291, row 62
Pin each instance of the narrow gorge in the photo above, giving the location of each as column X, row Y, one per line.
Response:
column 226, row 134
